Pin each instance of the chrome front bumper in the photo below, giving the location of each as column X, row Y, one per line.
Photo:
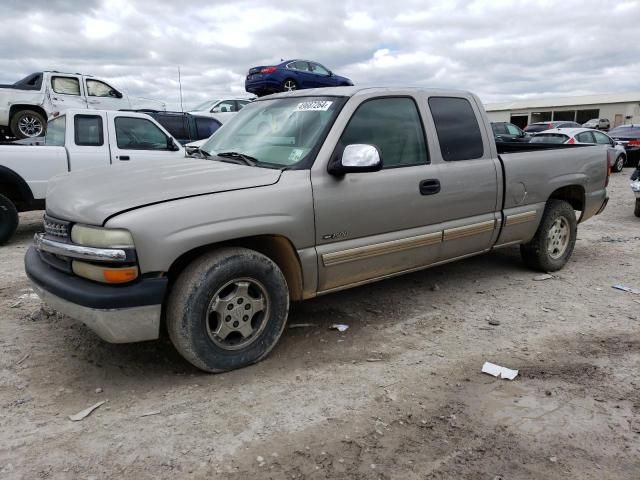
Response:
column 78, row 251
column 124, row 325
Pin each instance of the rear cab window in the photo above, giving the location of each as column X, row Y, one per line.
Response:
column 457, row 128
column 549, row 138
column 55, row 132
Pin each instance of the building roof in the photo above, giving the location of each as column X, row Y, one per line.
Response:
column 564, row 101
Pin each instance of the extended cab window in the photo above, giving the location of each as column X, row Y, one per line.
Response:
column 88, row 130
column 457, row 128
column 392, row 125
column 139, row 134
column 65, row 85
column 55, row 132
column 95, row 88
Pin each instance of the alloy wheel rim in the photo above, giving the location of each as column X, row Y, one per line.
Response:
column 619, row 164
column 237, row 314
column 30, row 126
column 289, row 85
column 558, row 238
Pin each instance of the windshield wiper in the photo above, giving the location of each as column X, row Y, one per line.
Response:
column 247, row 159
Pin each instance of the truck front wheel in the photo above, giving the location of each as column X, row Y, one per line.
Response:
column 27, row 123
column 8, row 219
column 227, row 309
column 553, row 243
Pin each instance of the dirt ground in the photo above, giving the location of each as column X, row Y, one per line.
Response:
column 399, row 395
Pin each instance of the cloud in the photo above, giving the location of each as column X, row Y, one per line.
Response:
column 498, row 49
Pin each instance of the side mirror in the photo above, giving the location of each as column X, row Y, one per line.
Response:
column 171, row 145
column 357, row 158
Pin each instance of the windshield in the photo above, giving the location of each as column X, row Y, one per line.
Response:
column 279, row 133
column 204, row 105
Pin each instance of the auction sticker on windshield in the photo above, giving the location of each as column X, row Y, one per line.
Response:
column 314, row 106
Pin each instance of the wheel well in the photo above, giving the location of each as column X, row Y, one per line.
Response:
column 572, row 194
column 18, row 108
column 15, row 189
column 276, row 247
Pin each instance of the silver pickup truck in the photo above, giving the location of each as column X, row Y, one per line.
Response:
column 302, row 194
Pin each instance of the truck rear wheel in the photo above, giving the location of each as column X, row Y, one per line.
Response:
column 28, row 123
column 553, row 243
column 8, row 219
column 227, row 309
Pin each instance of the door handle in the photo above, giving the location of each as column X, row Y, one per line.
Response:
column 123, row 157
column 430, row 186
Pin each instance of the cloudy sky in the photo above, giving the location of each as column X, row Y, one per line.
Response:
column 499, row 49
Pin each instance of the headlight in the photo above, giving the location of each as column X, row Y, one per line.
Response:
column 101, row 237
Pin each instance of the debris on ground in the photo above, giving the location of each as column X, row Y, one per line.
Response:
column 86, row 412
column 341, row 327
column 148, row 414
column 498, row 371
column 17, row 304
column 545, row 276
column 493, row 321
column 302, row 325
column 23, row 359
column 374, row 359
column 626, row 289
column 98, row 390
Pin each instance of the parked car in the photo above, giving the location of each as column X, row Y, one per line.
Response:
column 542, row 126
column 629, row 137
column 339, row 189
column 185, row 127
column 587, row 136
column 597, row 123
column 76, row 140
column 291, row 75
column 26, row 105
column 221, row 110
column 508, row 132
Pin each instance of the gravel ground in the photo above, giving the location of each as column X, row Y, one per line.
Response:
column 399, row 395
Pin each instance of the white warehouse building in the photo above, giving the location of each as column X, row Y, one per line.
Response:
column 617, row 108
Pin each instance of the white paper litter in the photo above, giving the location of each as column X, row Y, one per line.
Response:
column 85, row 413
column 626, row 289
column 540, row 278
column 498, row 371
column 340, row 327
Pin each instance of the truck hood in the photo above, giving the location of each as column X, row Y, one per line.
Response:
column 93, row 195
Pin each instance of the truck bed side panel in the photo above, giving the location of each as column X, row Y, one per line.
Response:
column 36, row 165
column 532, row 177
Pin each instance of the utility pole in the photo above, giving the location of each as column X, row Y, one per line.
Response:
column 180, row 84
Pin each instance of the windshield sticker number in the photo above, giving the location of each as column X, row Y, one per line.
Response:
column 296, row 154
column 314, row 106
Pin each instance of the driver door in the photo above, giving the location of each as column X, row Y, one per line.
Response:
column 133, row 139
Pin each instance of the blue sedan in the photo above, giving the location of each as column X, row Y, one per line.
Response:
column 291, row 75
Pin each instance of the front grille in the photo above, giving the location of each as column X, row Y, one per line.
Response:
column 58, row 229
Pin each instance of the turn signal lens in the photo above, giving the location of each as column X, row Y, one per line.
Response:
column 102, row 274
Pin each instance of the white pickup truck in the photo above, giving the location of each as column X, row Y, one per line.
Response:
column 76, row 140
column 26, row 105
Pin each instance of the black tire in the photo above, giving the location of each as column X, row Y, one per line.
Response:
column 8, row 219
column 190, row 319
column 536, row 254
column 20, row 130
column 289, row 85
column 618, row 165
column 636, row 211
